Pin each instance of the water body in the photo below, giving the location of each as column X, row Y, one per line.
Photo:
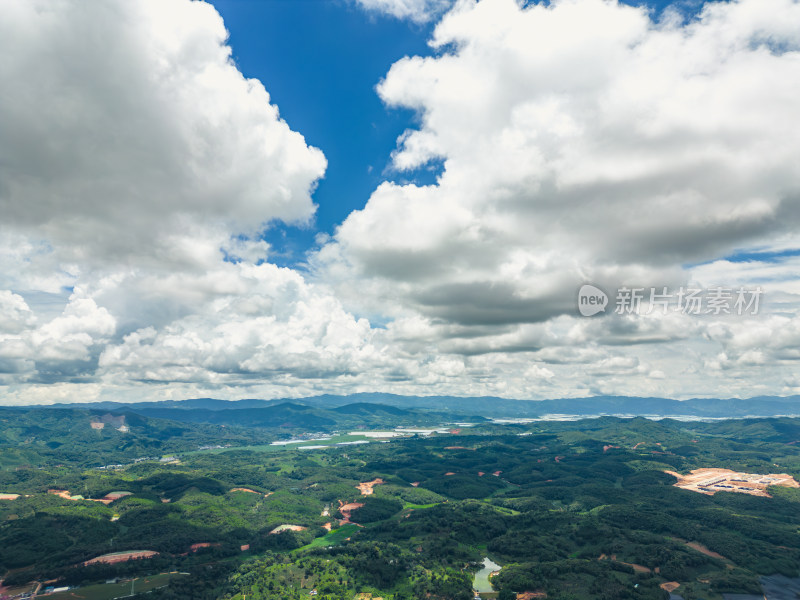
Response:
column 481, row 580
column 779, row 587
column 775, row 587
column 571, row 417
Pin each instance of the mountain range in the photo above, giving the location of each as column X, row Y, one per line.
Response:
column 211, row 410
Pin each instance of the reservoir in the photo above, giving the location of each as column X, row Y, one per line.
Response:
column 481, row 581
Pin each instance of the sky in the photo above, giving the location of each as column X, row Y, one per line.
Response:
column 281, row 198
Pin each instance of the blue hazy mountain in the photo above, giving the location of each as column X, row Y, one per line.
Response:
column 487, row 406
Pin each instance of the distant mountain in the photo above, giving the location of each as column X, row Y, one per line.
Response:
column 279, row 416
column 334, row 407
column 365, row 408
column 286, row 415
column 488, row 406
column 96, row 437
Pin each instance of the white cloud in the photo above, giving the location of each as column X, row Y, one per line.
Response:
column 419, row 11
column 127, row 130
column 271, row 325
column 580, row 141
column 15, row 315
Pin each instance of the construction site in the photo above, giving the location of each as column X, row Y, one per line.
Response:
column 711, row 481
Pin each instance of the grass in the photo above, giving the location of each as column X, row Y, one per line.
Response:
column 334, row 538
column 109, row 591
column 418, row 506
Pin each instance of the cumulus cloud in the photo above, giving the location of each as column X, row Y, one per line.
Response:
column 15, row 315
column 65, row 347
column 580, row 141
column 127, row 129
column 137, row 166
column 271, row 324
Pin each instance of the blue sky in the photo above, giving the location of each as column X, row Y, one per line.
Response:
column 320, row 61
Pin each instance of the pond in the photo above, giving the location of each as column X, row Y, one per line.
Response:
column 481, row 581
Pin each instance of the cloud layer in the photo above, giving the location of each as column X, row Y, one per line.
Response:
column 579, row 141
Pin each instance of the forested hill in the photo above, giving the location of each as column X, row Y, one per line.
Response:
column 94, row 436
column 91, row 437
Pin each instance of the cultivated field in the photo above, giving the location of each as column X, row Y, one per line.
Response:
column 110, row 591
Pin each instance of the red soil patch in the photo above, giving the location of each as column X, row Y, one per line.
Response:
column 281, row 528
column 455, row 431
column 700, row 548
column 497, row 473
column 415, row 484
column 248, row 490
column 608, row 447
column 365, row 487
column 531, row 595
column 244, row 547
column 670, row 586
column 196, row 547
column 118, row 557
column 116, row 495
column 458, row 448
column 481, row 473
column 61, row 493
column 449, row 473
column 347, row 509
column 327, row 526
column 637, row 445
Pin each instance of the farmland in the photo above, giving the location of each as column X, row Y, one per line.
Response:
column 123, row 589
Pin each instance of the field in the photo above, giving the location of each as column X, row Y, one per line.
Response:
column 110, row 591
column 335, row 537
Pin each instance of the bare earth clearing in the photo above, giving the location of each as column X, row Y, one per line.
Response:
column 711, row 481
column 365, row 487
column 118, row 557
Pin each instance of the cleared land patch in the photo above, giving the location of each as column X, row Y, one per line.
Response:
column 118, row 557
column 365, row 487
column 242, row 489
column 287, row 527
column 711, row 481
